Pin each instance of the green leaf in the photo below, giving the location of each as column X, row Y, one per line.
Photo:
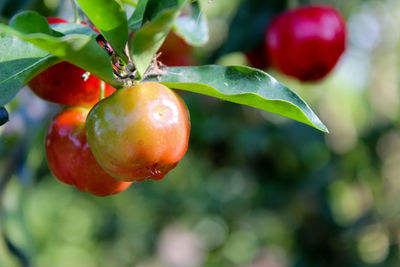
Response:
column 193, row 27
column 19, row 60
column 71, row 28
column 79, row 49
column 242, row 85
column 110, row 19
column 29, row 21
column 136, row 20
column 3, row 116
column 148, row 10
column 149, row 39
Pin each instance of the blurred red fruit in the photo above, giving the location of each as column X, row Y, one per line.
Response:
column 306, row 42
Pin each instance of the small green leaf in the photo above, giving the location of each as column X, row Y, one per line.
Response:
column 109, row 17
column 136, row 20
column 78, row 49
column 29, row 21
column 149, row 39
column 242, row 85
column 3, row 116
column 193, row 27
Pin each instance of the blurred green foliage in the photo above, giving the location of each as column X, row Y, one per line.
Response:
column 253, row 190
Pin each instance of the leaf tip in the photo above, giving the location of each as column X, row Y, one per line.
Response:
column 322, row 127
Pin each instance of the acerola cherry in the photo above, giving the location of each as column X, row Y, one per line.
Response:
column 63, row 83
column 70, row 159
column 139, row 132
column 306, row 42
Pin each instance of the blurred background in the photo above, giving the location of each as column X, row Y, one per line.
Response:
column 254, row 189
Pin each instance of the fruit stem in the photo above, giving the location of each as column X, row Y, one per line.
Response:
column 77, row 20
column 102, row 89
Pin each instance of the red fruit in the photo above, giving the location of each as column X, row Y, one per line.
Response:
column 306, row 42
column 70, row 158
column 175, row 51
column 63, row 83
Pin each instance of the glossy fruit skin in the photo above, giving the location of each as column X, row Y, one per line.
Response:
column 63, row 84
column 306, row 42
column 176, row 52
column 70, row 159
column 140, row 132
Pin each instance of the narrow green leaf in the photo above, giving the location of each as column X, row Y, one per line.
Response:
column 3, row 116
column 78, row 49
column 136, row 20
column 242, row 85
column 193, row 27
column 110, row 19
column 149, row 39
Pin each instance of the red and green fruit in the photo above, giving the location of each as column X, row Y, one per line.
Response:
column 63, row 83
column 306, row 42
column 70, row 158
column 140, row 132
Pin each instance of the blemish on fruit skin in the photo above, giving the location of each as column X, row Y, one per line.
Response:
column 140, row 142
column 158, row 115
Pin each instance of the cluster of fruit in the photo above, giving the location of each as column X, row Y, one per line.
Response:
column 101, row 147
column 304, row 43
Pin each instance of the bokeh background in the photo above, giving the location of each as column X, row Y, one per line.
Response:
column 254, row 189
